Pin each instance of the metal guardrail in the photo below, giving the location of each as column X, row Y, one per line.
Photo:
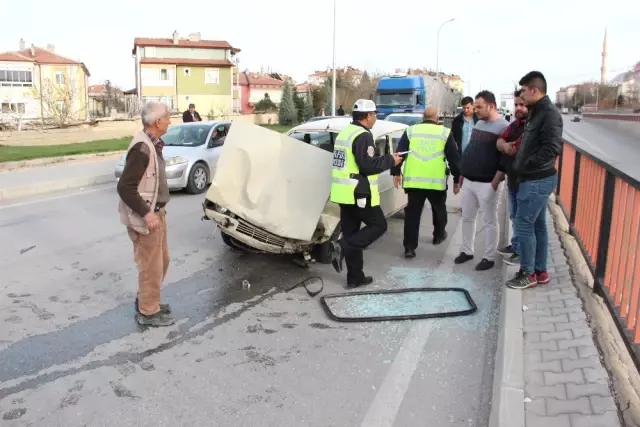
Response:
column 602, row 205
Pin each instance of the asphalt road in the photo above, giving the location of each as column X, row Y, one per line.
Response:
column 72, row 355
column 616, row 148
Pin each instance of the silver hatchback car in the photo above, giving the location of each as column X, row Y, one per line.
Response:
column 191, row 152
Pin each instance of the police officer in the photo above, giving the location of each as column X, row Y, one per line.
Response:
column 355, row 188
column 425, row 176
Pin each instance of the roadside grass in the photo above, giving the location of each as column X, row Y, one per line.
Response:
column 28, row 152
column 9, row 153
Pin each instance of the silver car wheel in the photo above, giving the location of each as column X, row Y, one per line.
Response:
column 200, row 178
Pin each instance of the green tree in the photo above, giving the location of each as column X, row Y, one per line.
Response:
column 298, row 101
column 287, row 114
column 308, row 106
column 318, row 97
column 265, row 105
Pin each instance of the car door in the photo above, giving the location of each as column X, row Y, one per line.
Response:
column 397, row 198
column 214, row 146
column 385, row 181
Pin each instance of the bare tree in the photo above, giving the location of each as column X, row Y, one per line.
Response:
column 60, row 102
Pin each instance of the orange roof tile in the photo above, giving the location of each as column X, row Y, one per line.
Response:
column 42, row 56
column 203, row 44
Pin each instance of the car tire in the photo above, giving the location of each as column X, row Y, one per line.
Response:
column 198, row 179
column 323, row 250
column 228, row 240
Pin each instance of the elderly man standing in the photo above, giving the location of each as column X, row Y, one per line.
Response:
column 144, row 193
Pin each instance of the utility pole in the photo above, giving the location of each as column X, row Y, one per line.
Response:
column 438, row 46
column 333, row 80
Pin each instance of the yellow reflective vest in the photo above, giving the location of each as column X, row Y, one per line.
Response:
column 425, row 166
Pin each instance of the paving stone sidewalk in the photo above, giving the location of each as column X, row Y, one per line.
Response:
column 565, row 380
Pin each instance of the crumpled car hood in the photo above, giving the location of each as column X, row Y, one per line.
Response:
column 275, row 182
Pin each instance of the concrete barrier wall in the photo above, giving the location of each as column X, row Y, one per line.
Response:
column 628, row 124
column 103, row 130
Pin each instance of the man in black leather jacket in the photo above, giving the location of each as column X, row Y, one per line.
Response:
column 534, row 167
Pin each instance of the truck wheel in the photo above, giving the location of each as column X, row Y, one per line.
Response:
column 198, row 179
column 323, row 250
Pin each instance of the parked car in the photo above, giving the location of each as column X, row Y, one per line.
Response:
column 261, row 208
column 576, row 118
column 316, row 118
column 191, row 153
column 408, row 119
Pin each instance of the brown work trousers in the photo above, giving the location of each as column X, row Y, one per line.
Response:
column 151, row 254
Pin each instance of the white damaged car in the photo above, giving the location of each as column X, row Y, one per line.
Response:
column 270, row 192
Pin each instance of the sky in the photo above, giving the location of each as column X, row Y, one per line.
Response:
column 490, row 44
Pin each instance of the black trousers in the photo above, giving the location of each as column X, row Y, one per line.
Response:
column 355, row 239
column 413, row 212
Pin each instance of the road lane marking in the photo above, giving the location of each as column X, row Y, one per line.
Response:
column 49, row 199
column 386, row 403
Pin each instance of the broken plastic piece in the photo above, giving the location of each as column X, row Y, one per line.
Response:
column 246, row 284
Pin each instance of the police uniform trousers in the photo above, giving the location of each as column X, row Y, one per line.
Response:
column 413, row 212
column 355, row 239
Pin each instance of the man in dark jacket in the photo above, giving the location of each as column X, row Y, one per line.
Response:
column 534, row 166
column 463, row 123
column 191, row 115
column 508, row 144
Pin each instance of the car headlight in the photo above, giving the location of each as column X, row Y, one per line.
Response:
column 172, row 161
column 220, row 209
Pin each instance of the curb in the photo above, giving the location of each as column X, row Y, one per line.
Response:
column 40, row 188
column 507, row 402
column 46, row 161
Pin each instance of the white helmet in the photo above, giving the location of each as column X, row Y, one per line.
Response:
column 365, row 106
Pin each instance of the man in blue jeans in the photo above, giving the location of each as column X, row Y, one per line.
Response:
column 537, row 177
column 508, row 144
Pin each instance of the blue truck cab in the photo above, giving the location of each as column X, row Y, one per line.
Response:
column 401, row 94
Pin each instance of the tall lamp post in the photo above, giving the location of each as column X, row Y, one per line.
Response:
column 438, row 46
column 333, row 79
column 471, row 57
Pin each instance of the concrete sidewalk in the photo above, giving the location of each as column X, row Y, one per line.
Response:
column 40, row 180
column 548, row 369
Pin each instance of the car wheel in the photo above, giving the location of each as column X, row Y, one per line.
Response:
column 323, row 250
column 198, row 179
column 228, row 240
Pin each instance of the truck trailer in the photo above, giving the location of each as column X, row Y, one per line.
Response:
column 413, row 94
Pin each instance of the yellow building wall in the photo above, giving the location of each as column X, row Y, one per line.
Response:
column 150, row 89
column 76, row 88
column 216, row 105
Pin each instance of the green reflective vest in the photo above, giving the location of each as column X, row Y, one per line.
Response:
column 345, row 167
column 425, row 166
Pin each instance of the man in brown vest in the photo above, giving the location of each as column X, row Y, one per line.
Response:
column 144, row 193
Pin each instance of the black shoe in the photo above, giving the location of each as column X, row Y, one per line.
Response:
column 164, row 308
column 409, row 253
column 438, row 240
column 514, row 259
column 337, row 256
column 485, row 264
column 506, row 251
column 366, row 280
column 462, row 258
column 157, row 319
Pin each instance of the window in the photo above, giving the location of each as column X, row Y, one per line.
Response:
column 61, row 107
column 187, row 72
column 13, row 108
column 59, row 77
column 212, row 76
column 164, row 75
column 15, row 78
column 382, row 146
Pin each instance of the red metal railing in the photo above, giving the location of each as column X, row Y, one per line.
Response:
column 603, row 207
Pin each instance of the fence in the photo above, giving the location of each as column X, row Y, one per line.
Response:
column 602, row 204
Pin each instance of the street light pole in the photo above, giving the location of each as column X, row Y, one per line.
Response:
column 471, row 57
column 333, row 79
column 438, row 46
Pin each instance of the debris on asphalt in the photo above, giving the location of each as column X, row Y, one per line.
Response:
column 246, row 284
column 27, row 249
column 525, row 308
